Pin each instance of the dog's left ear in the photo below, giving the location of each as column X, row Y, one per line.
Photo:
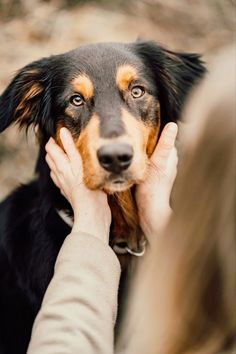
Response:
column 174, row 73
column 27, row 99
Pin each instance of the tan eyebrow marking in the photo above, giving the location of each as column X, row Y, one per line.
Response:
column 83, row 85
column 125, row 75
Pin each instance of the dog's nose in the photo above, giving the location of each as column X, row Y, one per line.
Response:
column 115, row 157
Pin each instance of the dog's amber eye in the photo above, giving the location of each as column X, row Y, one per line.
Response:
column 77, row 100
column 137, row 91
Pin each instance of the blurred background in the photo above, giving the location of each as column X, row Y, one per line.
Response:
column 31, row 29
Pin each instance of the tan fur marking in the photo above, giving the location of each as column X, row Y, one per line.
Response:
column 153, row 132
column 23, row 110
column 33, row 91
column 128, row 207
column 23, row 114
column 83, row 85
column 87, row 145
column 152, row 140
column 118, row 229
column 125, row 222
column 137, row 134
column 124, row 76
column 59, row 125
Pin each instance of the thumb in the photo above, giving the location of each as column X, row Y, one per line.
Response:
column 164, row 146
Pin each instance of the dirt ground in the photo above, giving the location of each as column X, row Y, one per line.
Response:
column 38, row 28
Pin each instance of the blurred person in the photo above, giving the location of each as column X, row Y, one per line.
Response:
column 183, row 297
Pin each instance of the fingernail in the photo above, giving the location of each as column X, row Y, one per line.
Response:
column 46, row 146
column 172, row 127
column 63, row 133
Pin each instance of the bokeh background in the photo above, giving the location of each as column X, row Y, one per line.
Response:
column 30, row 29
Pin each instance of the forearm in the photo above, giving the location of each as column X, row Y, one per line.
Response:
column 79, row 308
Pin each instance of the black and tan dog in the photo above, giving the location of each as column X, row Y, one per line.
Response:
column 115, row 99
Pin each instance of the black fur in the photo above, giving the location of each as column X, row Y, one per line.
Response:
column 31, row 232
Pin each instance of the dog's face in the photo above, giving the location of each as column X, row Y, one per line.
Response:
column 114, row 98
column 109, row 101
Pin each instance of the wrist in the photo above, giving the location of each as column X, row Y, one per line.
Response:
column 154, row 227
column 94, row 228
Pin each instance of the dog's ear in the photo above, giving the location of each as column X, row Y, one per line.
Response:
column 174, row 73
column 27, row 99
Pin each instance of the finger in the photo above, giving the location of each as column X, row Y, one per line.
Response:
column 171, row 168
column 173, row 157
column 50, row 162
column 56, row 154
column 50, row 142
column 63, row 193
column 55, row 179
column 165, row 145
column 70, row 148
column 57, row 183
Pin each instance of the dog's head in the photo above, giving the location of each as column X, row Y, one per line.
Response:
column 114, row 98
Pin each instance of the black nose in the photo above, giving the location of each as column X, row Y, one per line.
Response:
column 115, row 157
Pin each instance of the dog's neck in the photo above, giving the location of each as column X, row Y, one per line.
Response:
column 125, row 221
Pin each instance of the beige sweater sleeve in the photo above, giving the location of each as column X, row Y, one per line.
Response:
column 79, row 307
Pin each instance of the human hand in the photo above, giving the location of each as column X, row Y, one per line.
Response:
column 153, row 195
column 91, row 211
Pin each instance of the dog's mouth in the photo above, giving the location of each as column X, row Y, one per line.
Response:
column 117, row 177
column 117, row 184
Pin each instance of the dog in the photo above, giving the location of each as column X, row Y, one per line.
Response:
column 115, row 99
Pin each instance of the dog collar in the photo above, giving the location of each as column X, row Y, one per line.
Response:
column 120, row 247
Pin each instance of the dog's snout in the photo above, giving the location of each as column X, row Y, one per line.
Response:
column 115, row 157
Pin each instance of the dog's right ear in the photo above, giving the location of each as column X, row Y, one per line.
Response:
column 27, row 99
column 175, row 73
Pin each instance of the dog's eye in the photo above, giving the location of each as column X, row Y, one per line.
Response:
column 137, row 91
column 77, row 100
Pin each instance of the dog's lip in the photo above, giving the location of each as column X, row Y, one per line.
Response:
column 117, row 184
column 118, row 181
column 117, row 178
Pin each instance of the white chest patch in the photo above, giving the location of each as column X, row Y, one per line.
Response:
column 69, row 220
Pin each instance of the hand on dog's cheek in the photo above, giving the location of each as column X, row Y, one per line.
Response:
column 91, row 211
column 153, row 195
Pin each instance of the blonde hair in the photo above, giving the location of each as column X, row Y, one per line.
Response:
column 184, row 297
